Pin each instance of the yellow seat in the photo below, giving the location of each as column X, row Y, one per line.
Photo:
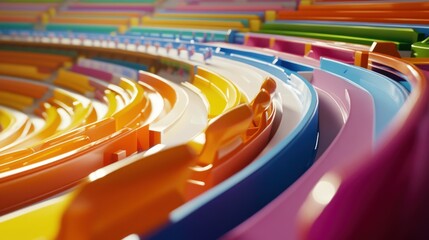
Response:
column 81, row 112
column 94, row 131
column 216, row 99
column 23, row 71
column 217, row 92
column 205, row 15
column 74, row 81
column 229, row 89
column 6, row 119
column 52, row 121
column 17, row 101
column 253, row 20
column 13, row 126
column 112, row 103
column 194, row 23
column 131, row 114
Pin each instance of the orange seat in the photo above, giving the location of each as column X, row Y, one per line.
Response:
column 53, row 175
column 247, row 128
column 91, row 20
column 146, row 191
column 29, row 89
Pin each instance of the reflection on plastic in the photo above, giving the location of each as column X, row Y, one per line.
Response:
column 320, row 196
